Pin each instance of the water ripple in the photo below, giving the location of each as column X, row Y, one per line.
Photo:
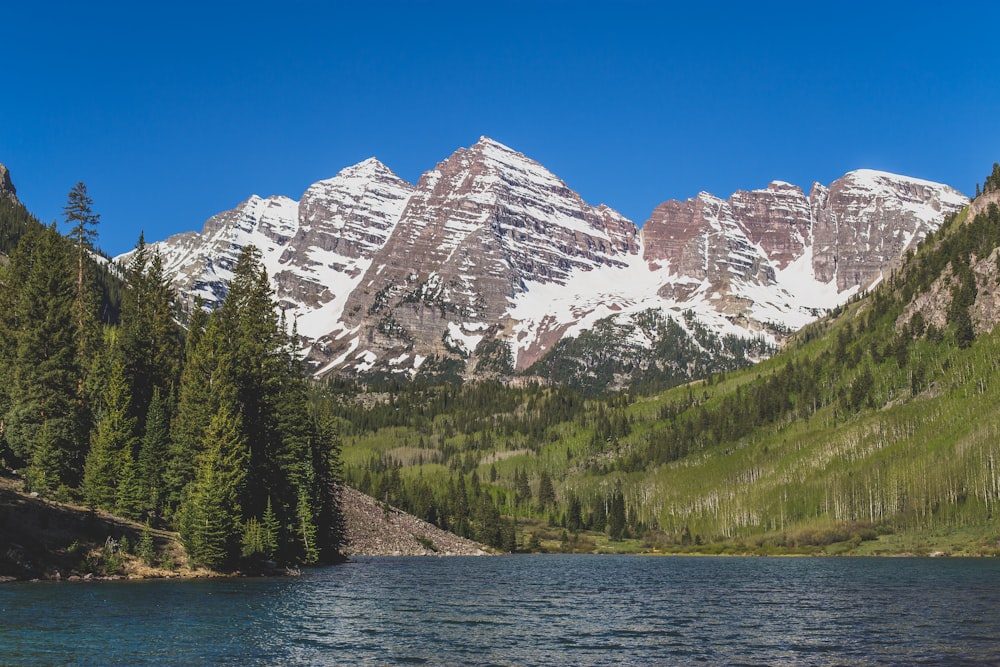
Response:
column 525, row 610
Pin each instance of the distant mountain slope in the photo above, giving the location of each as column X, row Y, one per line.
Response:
column 874, row 430
column 490, row 261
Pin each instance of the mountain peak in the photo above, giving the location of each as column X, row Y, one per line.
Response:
column 486, row 141
column 491, row 259
column 367, row 168
column 876, row 178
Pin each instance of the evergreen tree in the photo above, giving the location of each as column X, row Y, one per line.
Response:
column 150, row 336
column 211, row 524
column 113, row 442
column 306, row 528
column 522, row 489
column 258, row 366
column 153, row 452
column 546, row 492
column 599, row 514
column 329, row 480
column 82, row 221
column 243, row 358
column 616, row 517
column 270, row 529
column 206, row 384
column 129, row 496
column 38, row 335
column 574, row 515
column 146, row 550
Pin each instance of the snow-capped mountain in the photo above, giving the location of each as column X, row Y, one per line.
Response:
column 490, row 260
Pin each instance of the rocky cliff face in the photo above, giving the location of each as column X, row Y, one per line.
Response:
column 479, row 230
column 315, row 250
column 778, row 248
column 491, row 260
column 6, row 186
column 867, row 219
column 935, row 303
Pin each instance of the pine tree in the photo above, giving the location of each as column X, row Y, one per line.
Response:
column 145, row 550
column 82, row 221
column 599, row 514
column 113, row 443
column 258, row 367
column 306, row 528
column 252, row 543
column 271, row 530
column 129, row 496
column 153, row 452
column 329, row 480
column 574, row 515
column 38, row 334
column 546, row 492
column 616, row 517
column 211, row 524
column 206, row 384
column 150, row 336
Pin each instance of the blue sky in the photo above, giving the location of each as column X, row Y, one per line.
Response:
column 172, row 112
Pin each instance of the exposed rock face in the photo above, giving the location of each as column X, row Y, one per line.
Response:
column 853, row 232
column 6, row 185
column 701, row 240
column 867, row 220
column 935, row 303
column 476, row 232
column 777, row 219
column 490, row 260
column 315, row 250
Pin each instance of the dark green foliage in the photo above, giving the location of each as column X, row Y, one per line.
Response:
column 211, row 514
column 145, row 549
column 80, row 217
column 82, row 221
column 15, row 221
column 599, row 358
column 129, row 496
column 111, row 448
column 992, row 181
column 616, row 517
column 546, row 492
column 149, row 336
column 44, row 423
column 153, row 452
column 221, row 443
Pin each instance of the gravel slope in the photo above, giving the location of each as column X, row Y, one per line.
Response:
column 371, row 531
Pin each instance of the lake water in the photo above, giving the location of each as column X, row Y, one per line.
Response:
column 524, row 610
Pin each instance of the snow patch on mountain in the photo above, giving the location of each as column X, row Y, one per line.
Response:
column 380, row 274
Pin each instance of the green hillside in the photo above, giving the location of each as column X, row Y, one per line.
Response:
column 879, row 421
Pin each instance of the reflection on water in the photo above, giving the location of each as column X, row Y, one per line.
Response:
column 541, row 610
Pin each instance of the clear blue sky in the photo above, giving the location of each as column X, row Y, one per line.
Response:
column 171, row 112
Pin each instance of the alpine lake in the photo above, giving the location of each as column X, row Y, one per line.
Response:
column 525, row 610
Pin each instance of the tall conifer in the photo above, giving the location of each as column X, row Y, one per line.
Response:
column 113, row 443
column 211, row 525
column 41, row 374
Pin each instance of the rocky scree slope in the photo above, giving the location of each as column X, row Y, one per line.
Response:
column 490, row 260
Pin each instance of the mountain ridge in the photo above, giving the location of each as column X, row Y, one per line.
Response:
column 491, row 249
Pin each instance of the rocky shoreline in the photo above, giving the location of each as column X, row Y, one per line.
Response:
column 45, row 540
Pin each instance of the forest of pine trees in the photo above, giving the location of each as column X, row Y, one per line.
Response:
column 205, row 428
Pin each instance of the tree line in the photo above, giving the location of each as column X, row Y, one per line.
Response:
column 206, row 428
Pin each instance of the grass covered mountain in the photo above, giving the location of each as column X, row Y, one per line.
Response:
column 874, row 431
